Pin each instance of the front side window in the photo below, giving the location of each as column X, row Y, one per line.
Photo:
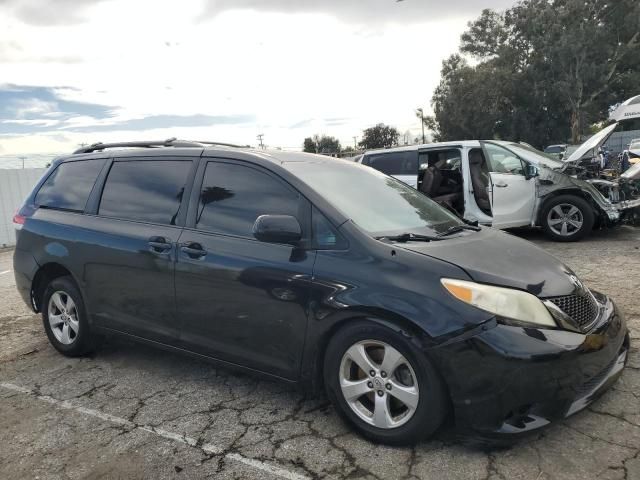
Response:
column 394, row 163
column 69, row 186
column 145, row 190
column 378, row 204
column 234, row 196
column 502, row 160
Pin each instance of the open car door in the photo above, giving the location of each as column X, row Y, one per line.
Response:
column 513, row 194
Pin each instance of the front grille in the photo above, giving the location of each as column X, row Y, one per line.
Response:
column 582, row 308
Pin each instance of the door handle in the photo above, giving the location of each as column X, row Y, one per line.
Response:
column 501, row 185
column 159, row 245
column 193, row 249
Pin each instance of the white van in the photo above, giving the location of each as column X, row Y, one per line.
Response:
column 503, row 184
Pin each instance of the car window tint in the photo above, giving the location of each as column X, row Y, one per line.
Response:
column 69, row 186
column 149, row 191
column 234, row 196
column 394, row 163
column 442, row 160
column 502, row 160
column 325, row 234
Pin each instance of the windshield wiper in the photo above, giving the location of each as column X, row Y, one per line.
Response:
column 409, row 237
column 459, row 228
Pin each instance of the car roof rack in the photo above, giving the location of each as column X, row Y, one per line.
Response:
column 170, row 142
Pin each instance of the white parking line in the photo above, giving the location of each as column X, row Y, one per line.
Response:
column 176, row 437
column 6, row 271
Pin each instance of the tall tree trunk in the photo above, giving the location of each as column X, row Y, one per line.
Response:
column 576, row 126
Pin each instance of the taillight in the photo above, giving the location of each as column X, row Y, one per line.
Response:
column 18, row 220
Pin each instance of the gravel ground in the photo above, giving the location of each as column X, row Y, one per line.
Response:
column 134, row 412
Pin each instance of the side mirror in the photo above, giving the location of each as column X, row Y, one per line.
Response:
column 277, row 229
column 530, row 171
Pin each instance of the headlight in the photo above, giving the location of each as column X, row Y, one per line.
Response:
column 506, row 302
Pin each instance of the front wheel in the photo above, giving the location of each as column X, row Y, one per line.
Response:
column 381, row 383
column 567, row 218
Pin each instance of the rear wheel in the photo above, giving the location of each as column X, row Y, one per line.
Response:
column 567, row 218
column 381, row 383
column 65, row 318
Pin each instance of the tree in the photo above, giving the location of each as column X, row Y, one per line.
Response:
column 322, row 144
column 379, row 136
column 309, row 145
column 546, row 70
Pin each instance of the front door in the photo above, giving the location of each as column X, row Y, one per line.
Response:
column 241, row 300
column 514, row 194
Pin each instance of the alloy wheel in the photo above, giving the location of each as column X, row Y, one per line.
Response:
column 379, row 384
column 565, row 219
column 63, row 317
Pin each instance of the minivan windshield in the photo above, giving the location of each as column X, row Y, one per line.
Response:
column 534, row 156
column 378, row 204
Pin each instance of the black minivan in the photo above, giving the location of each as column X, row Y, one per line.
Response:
column 316, row 271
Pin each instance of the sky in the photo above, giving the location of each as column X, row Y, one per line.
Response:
column 76, row 72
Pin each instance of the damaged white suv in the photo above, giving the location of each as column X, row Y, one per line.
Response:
column 504, row 184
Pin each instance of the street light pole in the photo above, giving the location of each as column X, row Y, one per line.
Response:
column 421, row 113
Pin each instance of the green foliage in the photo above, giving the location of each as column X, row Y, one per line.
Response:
column 309, row 145
column 546, row 70
column 321, row 144
column 379, row 136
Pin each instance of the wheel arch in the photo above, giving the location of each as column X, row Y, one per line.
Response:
column 45, row 275
column 577, row 192
column 391, row 320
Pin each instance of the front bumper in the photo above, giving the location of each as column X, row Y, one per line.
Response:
column 511, row 380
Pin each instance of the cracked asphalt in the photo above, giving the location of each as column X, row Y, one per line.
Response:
column 131, row 411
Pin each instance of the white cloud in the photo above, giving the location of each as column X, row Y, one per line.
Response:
column 149, row 58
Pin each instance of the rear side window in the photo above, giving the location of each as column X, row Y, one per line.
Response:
column 69, row 186
column 149, row 191
column 394, row 163
column 234, row 196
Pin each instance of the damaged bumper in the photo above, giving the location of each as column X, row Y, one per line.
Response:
column 531, row 377
column 627, row 205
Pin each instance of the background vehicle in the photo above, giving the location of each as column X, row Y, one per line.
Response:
column 503, row 184
column 556, row 150
column 270, row 262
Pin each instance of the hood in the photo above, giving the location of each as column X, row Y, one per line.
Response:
column 628, row 109
column 497, row 258
column 632, row 173
column 594, row 142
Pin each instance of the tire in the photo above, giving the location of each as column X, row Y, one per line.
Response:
column 567, row 218
column 407, row 423
column 63, row 311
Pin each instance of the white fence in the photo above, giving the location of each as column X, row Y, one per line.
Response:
column 15, row 185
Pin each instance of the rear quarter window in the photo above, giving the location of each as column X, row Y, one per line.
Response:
column 69, row 186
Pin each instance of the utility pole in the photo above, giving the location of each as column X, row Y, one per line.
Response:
column 260, row 137
column 355, row 143
column 23, row 159
column 420, row 112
